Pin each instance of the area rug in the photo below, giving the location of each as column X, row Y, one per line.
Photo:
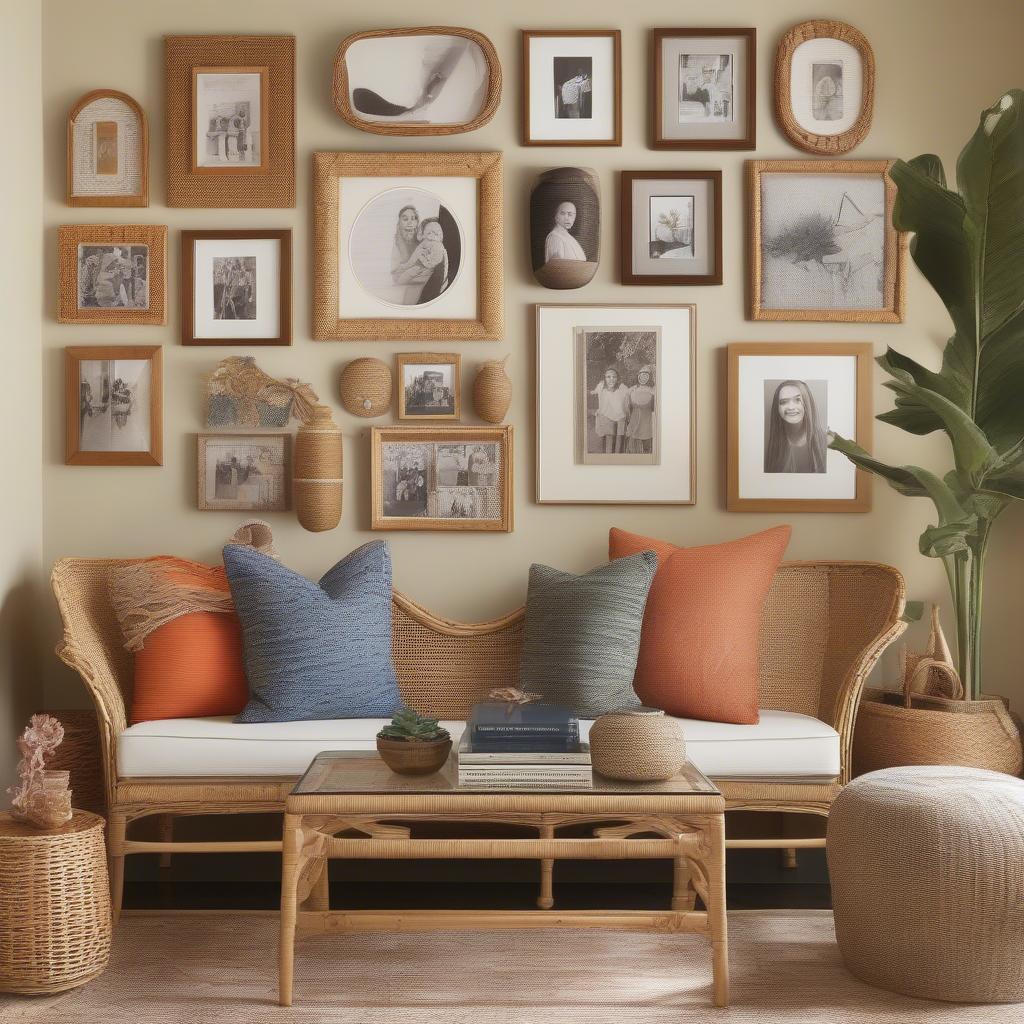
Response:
column 197, row 968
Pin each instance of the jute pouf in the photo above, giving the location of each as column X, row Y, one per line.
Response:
column 927, row 869
column 638, row 745
column 54, row 905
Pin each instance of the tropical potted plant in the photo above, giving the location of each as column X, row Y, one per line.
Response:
column 969, row 244
column 413, row 745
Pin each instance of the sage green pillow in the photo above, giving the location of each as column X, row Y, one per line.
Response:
column 583, row 634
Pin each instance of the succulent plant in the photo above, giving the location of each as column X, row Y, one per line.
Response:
column 407, row 725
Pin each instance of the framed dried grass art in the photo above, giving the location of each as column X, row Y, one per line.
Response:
column 407, row 245
column 230, row 121
column 429, row 385
column 108, row 151
column 114, row 405
column 112, row 274
column 822, row 243
column 243, row 472
column 441, row 478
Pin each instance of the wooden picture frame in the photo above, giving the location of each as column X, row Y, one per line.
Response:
column 343, row 102
column 530, row 136
column 98, row 282
column 718, row 138
column 474, row 297
column 451, row 359
column 770, row 294
column 428, row 472
column 754, row 403
column 281, row 324
column 127, row 172
column 631, row 246
column 271, row 183
column 845, row 37
column 99, row 398
column 251, row 445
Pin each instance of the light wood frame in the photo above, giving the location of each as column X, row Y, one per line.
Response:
column 328, row 171
column 803, row 139
column 616, row 37
column 71, row 236
column 864, row 354
column 894, row 283
column 188, row 240
column 140, row 198
column 343, row 105
column 202, row 502
column 626, row 227
column 264, row 73
column 502, row 436
column 77, row 354
column 404, row 359
column 749, row 138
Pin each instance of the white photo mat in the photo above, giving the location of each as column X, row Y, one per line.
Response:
column 267, row 252
column 542, row 121
column 703, row 193
column 801, row 91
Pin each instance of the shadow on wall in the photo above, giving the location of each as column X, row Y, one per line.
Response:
column 21, row 688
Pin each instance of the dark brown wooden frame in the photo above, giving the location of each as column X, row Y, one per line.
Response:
column 626, row 179
column 76, row 354
column 864, row 353
column 749, row 139
column 284, row 285
column 616, row 37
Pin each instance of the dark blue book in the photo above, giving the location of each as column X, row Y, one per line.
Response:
column 544, row 745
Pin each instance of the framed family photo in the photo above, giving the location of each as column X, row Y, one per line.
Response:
column 243, row 472
column 784, row 401
column 407, row 245
column 429, row 385
column 236, row 287
column 572, row 88
column 822, row 242
column 114, row 405
column 442, row 478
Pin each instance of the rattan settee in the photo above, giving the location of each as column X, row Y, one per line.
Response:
column 825, row 625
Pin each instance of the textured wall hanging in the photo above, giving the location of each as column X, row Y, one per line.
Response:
column 565, row 227
column 366, row 387
column 240, row 394
column 317, row 468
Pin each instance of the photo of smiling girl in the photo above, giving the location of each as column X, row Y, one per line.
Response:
column 795, row 435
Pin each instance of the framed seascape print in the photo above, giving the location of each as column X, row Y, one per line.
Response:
column 822, row 244
column 824, row 86
column 236, row 287
column 243, row 472
column 703, row 88
column 407, row 245
column 671, row 227
column 784, row 401
column 417, row 81
column 442, row 478
column 572, row 88
column 114, row 400
column 112, row 274
column 230, row 121
column 429, row 385
column 615, row 404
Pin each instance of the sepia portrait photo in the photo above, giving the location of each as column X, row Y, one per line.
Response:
column 234, row 287
column 705, row 87
column 228, row 109
column 243, row 472
column 671, row 227
column 114, row 397
column 574, row 86
column 795, row 426
column 430, row 386
column 405, row 475
column 113, row 277
column 827, row 91
column 106, row 147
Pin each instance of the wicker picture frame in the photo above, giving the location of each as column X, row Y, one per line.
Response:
column 271, row 184
column 329, row 172
column 452, row 359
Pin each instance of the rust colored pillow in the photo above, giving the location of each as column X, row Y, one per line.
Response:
column 699, row 643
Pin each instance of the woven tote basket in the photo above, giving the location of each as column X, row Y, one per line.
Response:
column 317, row 483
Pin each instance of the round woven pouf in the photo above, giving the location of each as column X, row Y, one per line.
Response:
column 638, row 745
column 54, row 905
column 927, row 869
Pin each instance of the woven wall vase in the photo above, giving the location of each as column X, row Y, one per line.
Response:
column 640, row 745
column 317, row 467
column 549, row 246
column 492, row 391
column 366, row 387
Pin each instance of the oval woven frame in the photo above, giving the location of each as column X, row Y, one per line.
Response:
column 811, row 142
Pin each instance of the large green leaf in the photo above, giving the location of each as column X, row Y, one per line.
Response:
column 900, row 477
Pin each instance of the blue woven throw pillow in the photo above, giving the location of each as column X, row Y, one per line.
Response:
column 315, row 651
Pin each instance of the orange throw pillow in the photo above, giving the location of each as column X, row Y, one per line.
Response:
column 699, row 642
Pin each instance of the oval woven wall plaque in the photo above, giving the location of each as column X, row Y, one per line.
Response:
column 565, row 227
column 366, row 387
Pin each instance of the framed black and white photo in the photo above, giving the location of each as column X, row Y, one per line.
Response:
column 243, row 472
column 784, row 401
column 429, row 385
column 572, row 88
column 615, row 404
column 671, row 227
column 230, row 118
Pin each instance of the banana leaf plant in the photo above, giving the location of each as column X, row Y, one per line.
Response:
column 969, row 244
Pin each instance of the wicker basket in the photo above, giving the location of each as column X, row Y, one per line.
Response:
column 492, row 391
column 366, row 387
column 641, row 745
column 317, row 483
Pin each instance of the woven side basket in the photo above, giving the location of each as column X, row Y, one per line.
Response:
column 317, row 483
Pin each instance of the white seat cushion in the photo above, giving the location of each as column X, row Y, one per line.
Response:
column 781, row 745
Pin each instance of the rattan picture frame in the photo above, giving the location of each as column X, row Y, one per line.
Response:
column 279, row 442
column 410, row 413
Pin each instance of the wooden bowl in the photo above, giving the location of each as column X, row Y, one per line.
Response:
column 413, row 757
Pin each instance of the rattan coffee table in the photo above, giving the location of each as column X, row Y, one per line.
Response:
column 356, row 793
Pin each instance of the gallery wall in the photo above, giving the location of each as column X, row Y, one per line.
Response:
column 927, row 99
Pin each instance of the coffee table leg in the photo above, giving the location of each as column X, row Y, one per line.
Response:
column 291, row 840
column 546, row 900
column 717, row 922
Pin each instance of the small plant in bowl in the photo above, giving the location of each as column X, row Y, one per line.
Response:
column 413, row 744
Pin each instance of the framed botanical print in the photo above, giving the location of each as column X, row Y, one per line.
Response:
column 112, row 274
column 236, row 287
column 572, row 88
column 243, row 472
column 114, row 403
column 615, row 404
column 429, row 385
column 703, row 88
column 822, row 242
column 784, row 401
column 442, row 478
column 671, row 227
column 407, row 245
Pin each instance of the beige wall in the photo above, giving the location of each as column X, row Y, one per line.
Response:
column 938, row 62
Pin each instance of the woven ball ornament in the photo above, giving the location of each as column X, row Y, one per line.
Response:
column 366, row 387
